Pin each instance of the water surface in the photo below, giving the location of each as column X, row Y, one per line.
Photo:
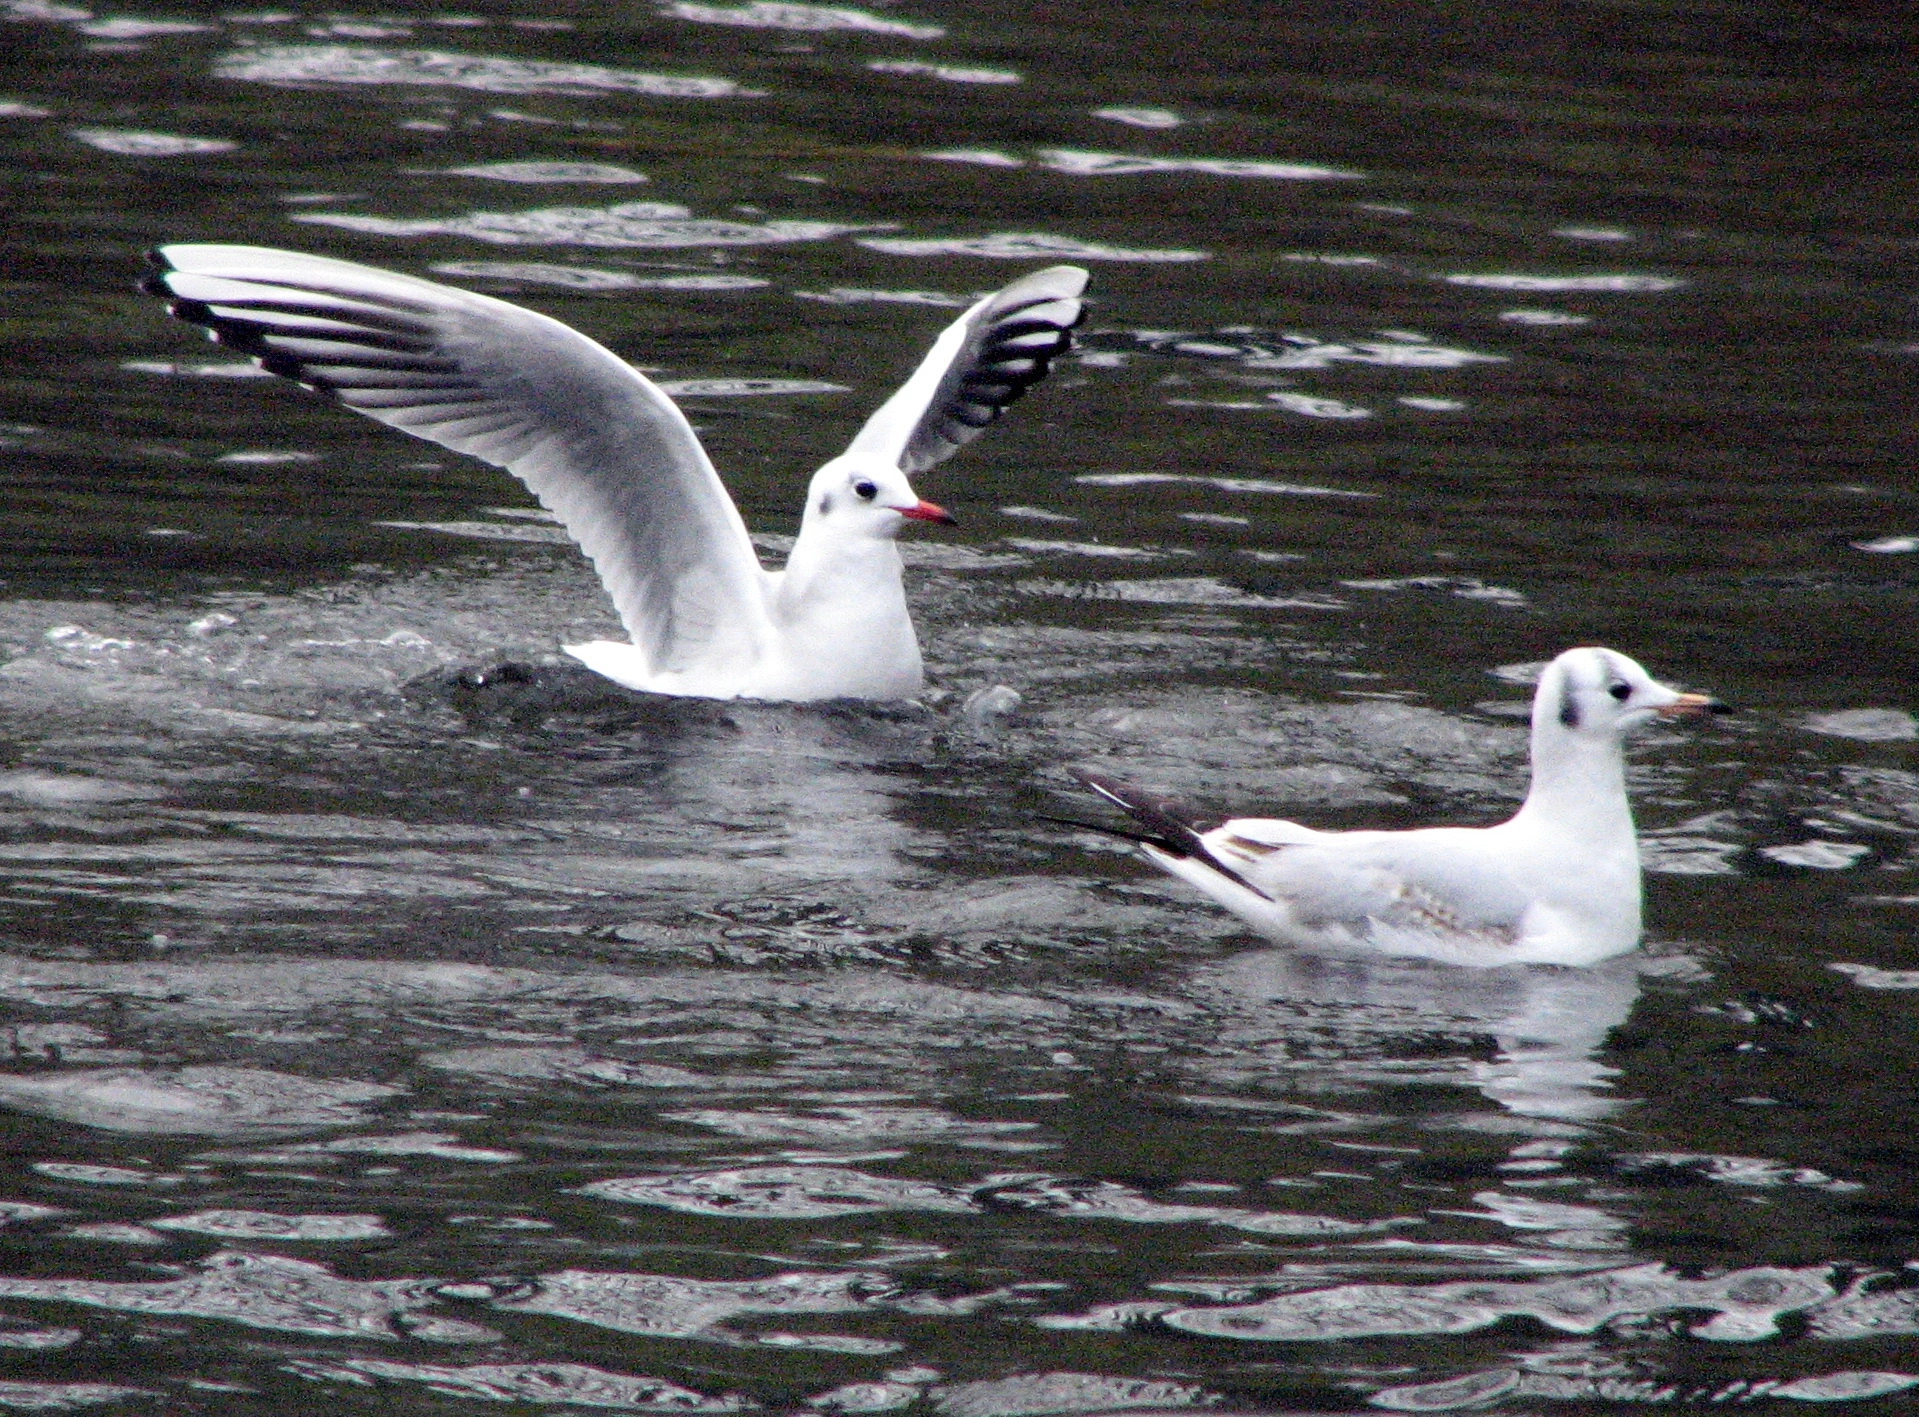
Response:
column 400, row 1019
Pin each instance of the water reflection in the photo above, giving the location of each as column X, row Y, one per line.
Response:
column 583, row 172
column 802, row 18
column 391, row 1018
column 1021, row 246
column 572, row 1384
column 433, row 68
column 1588, row 1377
column 630, row 225
column 1745, row 1305
column 1609, row 284
column 1075, row 163
column 129, row 143
column 195, row 1100
column 1548, row 1024
column 1141, row 117
column 946, row 73
column 588, row 278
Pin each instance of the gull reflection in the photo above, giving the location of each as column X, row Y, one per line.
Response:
column 1376, row 1019
column 804, row 793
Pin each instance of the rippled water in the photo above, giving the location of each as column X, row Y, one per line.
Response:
column 400, row 1019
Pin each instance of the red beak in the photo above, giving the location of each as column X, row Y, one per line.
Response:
column 927, row 512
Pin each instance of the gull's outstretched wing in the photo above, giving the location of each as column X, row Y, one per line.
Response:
column 982, row 362
column 602, row 448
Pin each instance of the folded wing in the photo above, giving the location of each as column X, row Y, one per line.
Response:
column 601, row 447
column 981, row 363
column 1443, row 883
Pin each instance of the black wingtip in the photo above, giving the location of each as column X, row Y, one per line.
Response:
column 1173, row 828
column 153, row 280
column 1170, row 825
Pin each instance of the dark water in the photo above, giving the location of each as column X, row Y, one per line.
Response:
column 387, row 1033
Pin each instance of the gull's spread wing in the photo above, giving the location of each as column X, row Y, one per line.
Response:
column 602, row 448
column 982, row 362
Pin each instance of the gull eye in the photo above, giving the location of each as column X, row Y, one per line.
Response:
column 865, row 490
column 1621, row 692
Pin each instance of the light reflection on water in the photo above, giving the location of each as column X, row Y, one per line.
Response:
column 431, row 1024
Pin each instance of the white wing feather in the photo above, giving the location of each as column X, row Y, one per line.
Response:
column 602, row 448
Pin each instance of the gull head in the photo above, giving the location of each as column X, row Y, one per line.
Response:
column 1599, row 695
column 863, row 497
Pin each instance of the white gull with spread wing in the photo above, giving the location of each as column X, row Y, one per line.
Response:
column 1558, row 883
column 608, row 453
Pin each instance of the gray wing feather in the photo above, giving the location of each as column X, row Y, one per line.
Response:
column 1429, row 882
column 602, row 448
column 981, row 363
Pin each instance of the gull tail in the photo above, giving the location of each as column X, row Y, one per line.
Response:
column 1170, row 829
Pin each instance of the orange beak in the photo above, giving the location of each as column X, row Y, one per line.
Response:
column 927, row 512
column 1694, row 706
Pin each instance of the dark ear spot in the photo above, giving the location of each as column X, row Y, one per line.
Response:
column 1568, row 708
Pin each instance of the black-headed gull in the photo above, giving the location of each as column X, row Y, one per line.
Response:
column 1558, row 883
column 609, row 454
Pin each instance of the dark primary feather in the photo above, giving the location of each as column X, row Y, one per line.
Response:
column 1169, row 825
column 335, row 344
column 1010, row 346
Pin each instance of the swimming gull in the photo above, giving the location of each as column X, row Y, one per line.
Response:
column 607, row 452
column 1558, row 883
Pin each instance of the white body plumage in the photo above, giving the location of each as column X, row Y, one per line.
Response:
column 1557, row 883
